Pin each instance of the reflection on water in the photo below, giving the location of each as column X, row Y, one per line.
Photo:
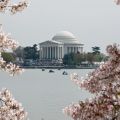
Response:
column 44, row 94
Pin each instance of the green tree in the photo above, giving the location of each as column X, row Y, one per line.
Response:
column 36, row 53
column 73, row 59
column 69, row 59
column 8, row 57
column 65, row 59
column 96, row 50
column 89, row 57
column 99, row 57
column 31, row 52
column 78, row 58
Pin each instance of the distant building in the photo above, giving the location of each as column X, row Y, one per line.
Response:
column 62, row 43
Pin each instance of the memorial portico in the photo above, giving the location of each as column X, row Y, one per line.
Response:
column 51, row 50
column 62, row 43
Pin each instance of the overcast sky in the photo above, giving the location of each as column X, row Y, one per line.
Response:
column 93, row 22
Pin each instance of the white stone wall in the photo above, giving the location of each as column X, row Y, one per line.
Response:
column 56, row 51
column 72, row 48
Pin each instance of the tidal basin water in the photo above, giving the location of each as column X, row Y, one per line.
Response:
column 44, row 94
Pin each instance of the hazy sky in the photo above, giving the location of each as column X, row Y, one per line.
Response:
column 93, row 22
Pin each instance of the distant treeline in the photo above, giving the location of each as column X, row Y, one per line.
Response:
column 79, row 58
column 32, row 53
column 89, row 57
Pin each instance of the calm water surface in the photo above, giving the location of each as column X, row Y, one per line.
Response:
column 44, row 94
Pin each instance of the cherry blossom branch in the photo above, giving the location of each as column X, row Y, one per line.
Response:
column 104, row 82
column 13, row 8
column 7, row 43
column 11, row 109
column 117, row 2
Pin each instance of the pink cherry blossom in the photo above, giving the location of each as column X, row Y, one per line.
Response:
column 10, row 109
column 7, row 5
column 7, row 43
column 117, row 2
column 104, row 83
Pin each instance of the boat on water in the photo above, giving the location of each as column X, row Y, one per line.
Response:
column 65, row 73
column 51, row 71
column 43, row 69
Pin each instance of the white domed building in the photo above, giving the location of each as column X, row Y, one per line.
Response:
column 61, row 44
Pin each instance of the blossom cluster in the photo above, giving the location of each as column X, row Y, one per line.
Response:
column 117, row 2
column 104, row 83
column 10, row 109
column 7, row 43
column 11, row 68
column 13, row 8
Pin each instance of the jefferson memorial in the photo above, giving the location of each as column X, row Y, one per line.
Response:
column 61, row 44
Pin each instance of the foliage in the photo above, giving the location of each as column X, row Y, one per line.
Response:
column 104, row 83
column 99, row 57
column 78, row 58
column 13, row 8
column 68, row 59
column 10, row 109
column 8, row 57
column 7, row 43
column 90, row 57
column 117, row 2
column 96, row 50
column 31, row 52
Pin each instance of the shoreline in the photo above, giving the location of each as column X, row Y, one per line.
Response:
column 58, row 67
